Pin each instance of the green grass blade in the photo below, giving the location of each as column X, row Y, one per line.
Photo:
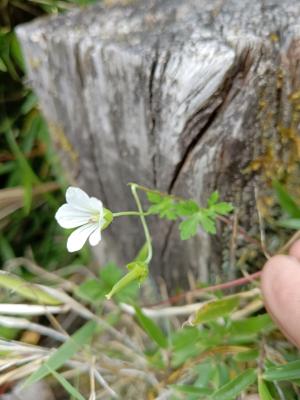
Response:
column 64, row 352
column 290, row 223
column 236, row 386
column 28, row 290
column 263, row 390
column 284, row 372
column 66, row 385
column 28, row 176
column 188, row 389
column 152, row 330
column 286, row 202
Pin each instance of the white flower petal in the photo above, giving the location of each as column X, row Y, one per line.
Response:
column 95, row 237
column 77, row 198
column 79, row 237
column 96, row 205
column 69, row 217
column 69, row 223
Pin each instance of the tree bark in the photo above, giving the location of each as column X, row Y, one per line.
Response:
column 183, row 96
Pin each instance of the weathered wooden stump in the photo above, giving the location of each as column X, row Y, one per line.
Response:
column 184, row 96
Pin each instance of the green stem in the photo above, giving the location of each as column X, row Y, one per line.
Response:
column 143, row 220
column 125, row 213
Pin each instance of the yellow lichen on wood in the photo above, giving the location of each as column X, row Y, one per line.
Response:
column 274, row 37
column 61, row 140
column 280, row 157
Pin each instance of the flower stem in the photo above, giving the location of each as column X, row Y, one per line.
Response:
column 143, row 220
column 125, row 213
column 220, row 286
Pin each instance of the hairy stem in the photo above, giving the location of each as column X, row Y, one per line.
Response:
column 143, row 220
column 221, row 286
column 125, row 213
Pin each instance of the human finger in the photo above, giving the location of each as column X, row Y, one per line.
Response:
column 280, row 284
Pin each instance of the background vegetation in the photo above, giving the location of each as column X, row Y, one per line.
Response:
column 229, row 348
column 28, row 166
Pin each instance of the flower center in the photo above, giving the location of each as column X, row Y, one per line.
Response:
column 94, row 218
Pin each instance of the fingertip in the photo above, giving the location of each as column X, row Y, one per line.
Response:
column 294, row 250
column 280, row 282
column 272, row 270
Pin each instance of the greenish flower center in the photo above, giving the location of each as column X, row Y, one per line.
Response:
column 94, row 218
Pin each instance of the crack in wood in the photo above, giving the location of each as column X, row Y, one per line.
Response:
column 159, row 61
column 225, row 90
column 153, row 69
column 167, row 239
column 79, row 69
column 227, row 86
column 180, row 165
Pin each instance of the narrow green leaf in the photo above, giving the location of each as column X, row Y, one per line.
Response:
column 27, row 186
column 249, row 355
column 188, row 389
column 286, row 202
column 6, row 250
column 150, row 327
column 263, row 390
column 28, row 104
column 252, row 325
column 64, row 352
column 16, row 53
column 222, row 373
column 28, row 176
column 232, row 389
column 2, row 66
column 291, row 223
column 284, row 372
column 26, row 289
column 206, row 372
column 216, row 309
column 65, row 384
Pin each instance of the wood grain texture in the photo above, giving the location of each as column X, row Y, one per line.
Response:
column 175, row 95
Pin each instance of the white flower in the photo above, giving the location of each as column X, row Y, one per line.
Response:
column 84, row 213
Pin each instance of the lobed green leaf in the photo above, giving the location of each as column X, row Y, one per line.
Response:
column 213, row 198
column 188, row 227
column 222, row 208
